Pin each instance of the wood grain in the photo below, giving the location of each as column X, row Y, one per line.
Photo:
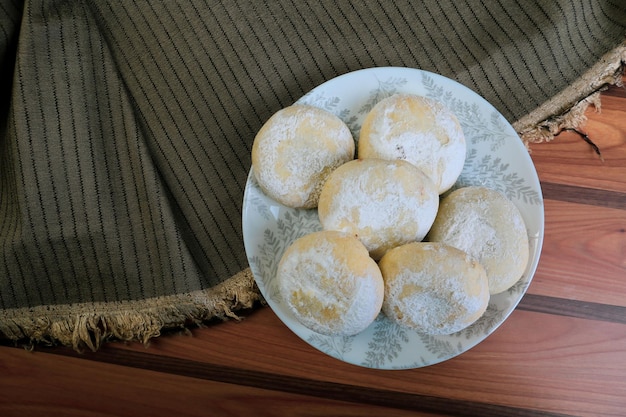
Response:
column 72, row 386
column 573, row 308
column 584, row 195
column 583, row 255
column 569, row 160
column 530, row 354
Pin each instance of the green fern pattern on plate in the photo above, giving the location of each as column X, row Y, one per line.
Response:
column 334, row 346
column 386, row 343
column 492, row 172
column 475, row 123
column 484, row 324
column 323, row 102
column 441, row 347
column 289, row 227
column 259, row 203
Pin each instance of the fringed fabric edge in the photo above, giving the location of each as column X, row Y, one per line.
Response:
column 88, row 325
column 567, row 109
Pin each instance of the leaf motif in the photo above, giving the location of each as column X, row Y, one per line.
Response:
column 262, row 209
column 419, row 363
column 433, row 90
column 320, row 100
column 489, row 320
column 493, row 173
column 334, row 346
column 476, row 128
column 441, row 348
column 386, row 343
column 494, row 131
column 391, row 86
column 297, row 223
column 352, row 121
column 331, row 103
column 256, row 201
column 518, row 287
column 268, row 262
column 385, row 89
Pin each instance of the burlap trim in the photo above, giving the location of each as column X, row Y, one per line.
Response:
column 567, row 109
column 88, row 325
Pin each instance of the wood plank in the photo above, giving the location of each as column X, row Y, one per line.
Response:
column 584, row 195
column 39, row 384
column 617, row 91
column 584, row 254
column 530, row 354
column 573, row 308
column 397, row 402
column 568, row 159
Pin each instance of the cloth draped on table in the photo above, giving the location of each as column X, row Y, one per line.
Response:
column 126, row 130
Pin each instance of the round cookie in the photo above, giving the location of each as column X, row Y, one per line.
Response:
column 330, row 283
column 419, row 130
column 433, row 288
column 383, row 203
column 296, row 149
column 487, row 225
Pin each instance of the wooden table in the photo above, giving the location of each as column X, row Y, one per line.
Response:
column 561, row 353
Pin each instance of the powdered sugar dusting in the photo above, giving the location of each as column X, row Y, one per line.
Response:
column 296, row 149
column 486, row 225
column 419, row 130
column 442, row 293
column 384, row 203
column 330, row 283
column 472, row 233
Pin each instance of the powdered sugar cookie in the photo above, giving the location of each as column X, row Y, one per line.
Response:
column 487, row 225
column 330, row 283
column 419, row 130
column 383, row 203
column 433, row 288
column 296, row 149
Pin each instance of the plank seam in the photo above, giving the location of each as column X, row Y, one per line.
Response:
column 584, row 195
column 573, row 308
column 304, row 386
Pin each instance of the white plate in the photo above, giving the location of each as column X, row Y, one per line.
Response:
column 496, row 158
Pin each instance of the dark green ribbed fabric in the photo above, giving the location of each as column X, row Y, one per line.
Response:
column 126, row 127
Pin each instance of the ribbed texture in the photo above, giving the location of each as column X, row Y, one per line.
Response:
column 127, row 128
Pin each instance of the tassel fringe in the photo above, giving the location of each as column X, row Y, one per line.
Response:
column 89, row 325
column 567, row 110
